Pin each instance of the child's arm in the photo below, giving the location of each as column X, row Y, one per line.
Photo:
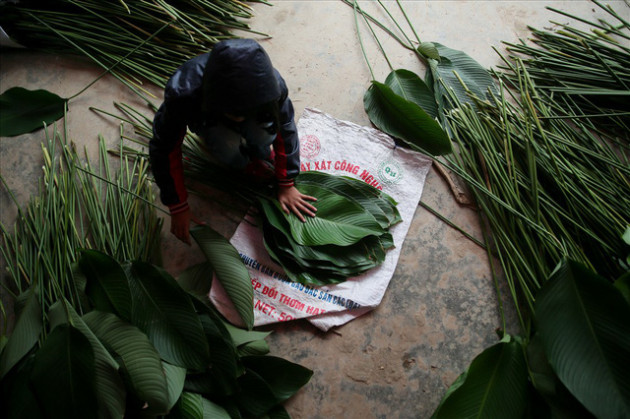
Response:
column 287, row 162
column 165, row 152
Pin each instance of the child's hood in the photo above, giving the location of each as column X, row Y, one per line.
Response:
column 239, row 76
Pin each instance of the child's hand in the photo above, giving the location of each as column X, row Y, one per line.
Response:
column 180, row 225
column 292, row 200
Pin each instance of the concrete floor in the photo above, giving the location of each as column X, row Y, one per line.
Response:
column 441, row 308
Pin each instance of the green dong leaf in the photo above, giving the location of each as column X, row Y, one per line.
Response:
column 429, row 50
column 559, row 402
column 197, row 279
column 107, row 284
column 213, row 410
column 229, row 269
column 476, row 79
column 283, row 377
column 23, row 111
column 189, row 406
column 583, row 324
column 409, row 86
column 65, row 363
column 339, row 221
column 110, row 390
column 495, row 386
column 17, row 399
column 25, row 334
column 175, row 378
column 405, row 120
column 138, row 358
column 165, row 312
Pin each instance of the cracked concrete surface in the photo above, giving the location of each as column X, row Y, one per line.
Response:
column 441, row 308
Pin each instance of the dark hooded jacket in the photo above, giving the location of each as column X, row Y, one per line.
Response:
column 235, row 76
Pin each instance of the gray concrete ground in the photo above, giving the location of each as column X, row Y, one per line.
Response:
column 441, row 307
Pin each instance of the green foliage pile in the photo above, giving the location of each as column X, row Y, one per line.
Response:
column 545, row 151
column 96, row 337
column 139, row 345
column 348, row 236
column 106, row 32
column 79, row 206
column 551, row 174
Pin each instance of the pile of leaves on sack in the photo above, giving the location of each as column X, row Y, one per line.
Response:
column 349, row 236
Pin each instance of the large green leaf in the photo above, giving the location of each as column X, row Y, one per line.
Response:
column 213, row 410
column 25, row 334
column 256, row 397
column 23, row 111
column 224, row 357
column 365, row 195
column 17, row 399
column 230, row 271
column 257, row 347
column 294, row 271
column 386, row 203
column 495, row 386
column 110, row 390
column 189, row 406
column 241, row 337
column 278, row 234
column 139, row 358
column 63, row 374
column 583, row 323
column 557, row 397
column 175, row 378
column 476, row 79
column 225, row 365
column 165, row 312
column 404, row 120
column 336, row 260
column 107, row 283
column 339, row 221
column 283, row 377
column 429, row 50
column 197, row 279
column 409, row 86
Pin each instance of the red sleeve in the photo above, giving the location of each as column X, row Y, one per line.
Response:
column 281, row 162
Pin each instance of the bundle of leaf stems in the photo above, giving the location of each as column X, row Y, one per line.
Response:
column 106, row 31
column 79, row 207
column 587, row 71
column 549, row 167
column 198, row 165
column 547, row 157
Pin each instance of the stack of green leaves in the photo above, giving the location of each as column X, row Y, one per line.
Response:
column 349, row 236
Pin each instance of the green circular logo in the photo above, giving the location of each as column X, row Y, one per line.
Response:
column 390, row 172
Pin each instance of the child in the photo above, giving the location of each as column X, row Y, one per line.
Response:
column 238, row 104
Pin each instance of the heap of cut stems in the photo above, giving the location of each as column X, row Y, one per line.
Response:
column 79, row 207
column 106, row 31
column 548, row 158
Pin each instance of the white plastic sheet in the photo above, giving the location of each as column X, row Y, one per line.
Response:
column 340, row 148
